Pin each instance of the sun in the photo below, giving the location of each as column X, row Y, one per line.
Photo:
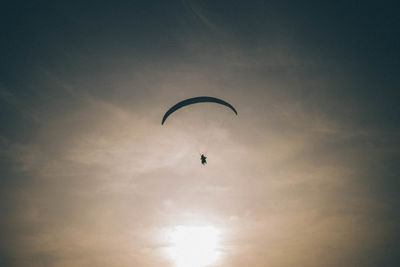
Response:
column 194, row 246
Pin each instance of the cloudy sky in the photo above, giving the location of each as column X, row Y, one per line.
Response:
column 307, row 174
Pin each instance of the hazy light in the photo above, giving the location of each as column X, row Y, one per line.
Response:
column 194, row 246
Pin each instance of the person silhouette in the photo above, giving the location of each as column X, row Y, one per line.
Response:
column 203, row 159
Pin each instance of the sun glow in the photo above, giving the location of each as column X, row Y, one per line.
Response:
column 194, row 246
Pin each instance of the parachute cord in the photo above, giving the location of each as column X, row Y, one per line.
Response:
column 220, row 124
column 187, row 136
column 205, row 130
column 202, row 127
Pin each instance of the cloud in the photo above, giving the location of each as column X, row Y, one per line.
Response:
column 302, row 176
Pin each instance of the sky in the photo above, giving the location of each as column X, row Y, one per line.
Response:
column 307, row 173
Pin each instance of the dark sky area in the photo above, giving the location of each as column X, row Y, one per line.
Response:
column 306, row 175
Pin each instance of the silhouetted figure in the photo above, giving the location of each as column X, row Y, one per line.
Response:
column 203, row 159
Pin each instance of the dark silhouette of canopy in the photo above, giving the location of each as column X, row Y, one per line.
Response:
column 194, row 100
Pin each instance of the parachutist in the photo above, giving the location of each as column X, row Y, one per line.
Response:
column 195, row 100
column 203, row 159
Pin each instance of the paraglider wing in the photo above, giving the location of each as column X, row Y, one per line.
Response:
column 194, row 100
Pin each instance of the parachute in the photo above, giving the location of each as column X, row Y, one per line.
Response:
column 194, row 100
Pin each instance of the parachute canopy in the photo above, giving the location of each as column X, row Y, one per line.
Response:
column 194, row 100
